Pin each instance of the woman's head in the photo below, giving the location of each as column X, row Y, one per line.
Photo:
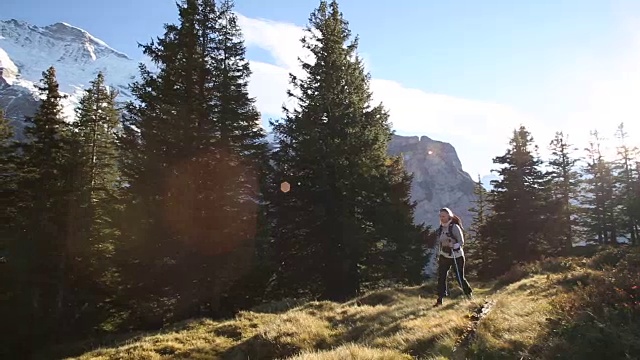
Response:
column 445, row 215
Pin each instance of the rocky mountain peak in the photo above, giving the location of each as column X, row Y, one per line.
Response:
column 438, row 178
column 71, row 44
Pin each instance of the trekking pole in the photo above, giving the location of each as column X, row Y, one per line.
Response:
column 455, row 265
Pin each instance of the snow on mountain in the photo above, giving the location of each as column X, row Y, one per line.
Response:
column 6, row 64
column 27, row 50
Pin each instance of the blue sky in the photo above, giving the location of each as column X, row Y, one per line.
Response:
column 461, row 48
column 537, row 61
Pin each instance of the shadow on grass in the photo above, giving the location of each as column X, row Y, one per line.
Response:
column 76, row 349
column 81, row 347
column 257, row 347
column 278, row 307
column 260, row 347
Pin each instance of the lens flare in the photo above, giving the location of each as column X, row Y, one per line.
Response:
column 285, row 187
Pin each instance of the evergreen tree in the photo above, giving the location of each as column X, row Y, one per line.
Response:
column 481, row 249
column 634, row 205
column 480, row 210
column 8, row 177
column 193, row 153
column 625, row 175
column 518, row 204
column 565, row 182
column 45, row 189
column 12, row 282
column 331, row 149
column 597, row 201
column 95, row 181
column 399, row 247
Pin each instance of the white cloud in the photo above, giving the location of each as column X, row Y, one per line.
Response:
column 605, row 90
column 478, row 130
column 268, row 84
column 281, row 40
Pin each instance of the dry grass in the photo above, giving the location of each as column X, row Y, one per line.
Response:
column 386, row 324
column 518, row 319
column 354, row 352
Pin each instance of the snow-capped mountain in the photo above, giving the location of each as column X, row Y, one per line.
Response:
column 27, row 50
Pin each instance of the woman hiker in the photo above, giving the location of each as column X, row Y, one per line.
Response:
column 450, row 238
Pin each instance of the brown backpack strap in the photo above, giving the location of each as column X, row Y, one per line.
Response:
column 450, row 232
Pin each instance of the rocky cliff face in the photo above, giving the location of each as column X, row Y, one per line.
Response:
column 438, row 181
column 438, row 178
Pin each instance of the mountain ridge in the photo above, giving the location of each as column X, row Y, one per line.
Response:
column 28, row 50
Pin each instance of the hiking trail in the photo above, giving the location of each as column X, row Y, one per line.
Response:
column 467, row 337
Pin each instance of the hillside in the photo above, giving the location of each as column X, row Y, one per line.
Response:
column 557, row 308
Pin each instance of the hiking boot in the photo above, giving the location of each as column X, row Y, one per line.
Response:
column 438, row 302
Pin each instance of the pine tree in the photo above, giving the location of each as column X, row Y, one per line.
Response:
column 12, row 283
column 481, row 250
column 625, row 174
column 634, row 205
column 45, row 189
column 597, row 201
column 241, row 136
column 8, row 177
column 95, row 182
column 193, row 152
column 331, row 150
column 97, row 174
column 518, row 204
column 402, row 253
column 480, row 210
column 565, row 182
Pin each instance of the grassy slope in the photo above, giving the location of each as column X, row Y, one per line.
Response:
column 511, row 318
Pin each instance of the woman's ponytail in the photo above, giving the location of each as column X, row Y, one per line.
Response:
column 455, row 219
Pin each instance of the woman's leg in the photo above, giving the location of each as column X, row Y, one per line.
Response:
column 463, row 280
column 444, row 264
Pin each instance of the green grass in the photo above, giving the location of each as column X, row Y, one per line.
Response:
column 536, row 311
